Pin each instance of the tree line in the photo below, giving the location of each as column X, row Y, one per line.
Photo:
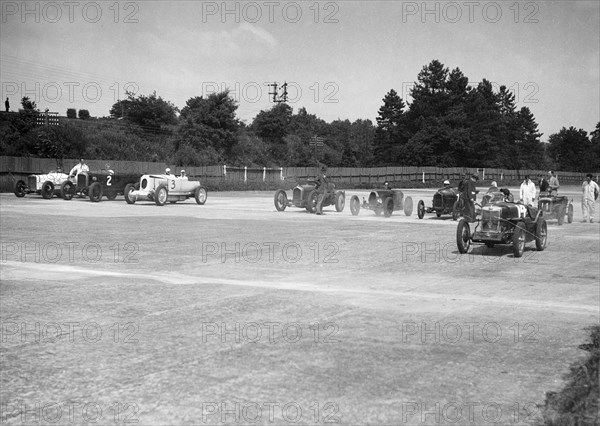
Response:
column 448, row 123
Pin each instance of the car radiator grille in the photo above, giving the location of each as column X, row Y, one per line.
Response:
column 438, row 202
column 297, row 196
column 490, row 220
column 32, row 182
column 81, row 181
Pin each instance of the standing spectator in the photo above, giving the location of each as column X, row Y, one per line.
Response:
column 543, row 182
column 322, row 183
column 470, row 196
column 553, row 184
column 527, row 192
column 79, row 168
column 590, row 195
column 7, row 104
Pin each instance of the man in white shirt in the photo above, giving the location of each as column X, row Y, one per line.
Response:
column 590, row 194
column 79, row 168
column 553, row 184
column 527, row 192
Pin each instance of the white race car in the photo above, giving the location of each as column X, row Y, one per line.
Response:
column 47, row 185
column 163, row 188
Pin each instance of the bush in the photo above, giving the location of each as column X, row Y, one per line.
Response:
column 71, row 113
column 84, row 114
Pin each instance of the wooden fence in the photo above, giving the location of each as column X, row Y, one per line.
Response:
column 13, row 168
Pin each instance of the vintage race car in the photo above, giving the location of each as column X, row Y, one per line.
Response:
column 444, row 202
column 504, row 223
column 163, row 188
column 556, row 207
column 305, row 197
column 99, row 183
column 47, row 185
column 384, row 201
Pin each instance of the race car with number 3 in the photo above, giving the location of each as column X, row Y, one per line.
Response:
column 165, row 188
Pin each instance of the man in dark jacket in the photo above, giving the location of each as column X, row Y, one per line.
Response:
column 322, row 184
column 470, row 195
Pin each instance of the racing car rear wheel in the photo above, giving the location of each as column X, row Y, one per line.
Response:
column 20, row 188
column 355, row 205
column 408, row 206
column 311, row 201
column 161, row 194
column 570, row 213
column 126, row 193
column 463, row 236
column 541, row 234
column 67, row 190
column 201, row 195
column 95, row 192
column 388, row 207
column 340, row 201
column 421, row 209
column 280, row 200
column 519, row 239
column 47, row 190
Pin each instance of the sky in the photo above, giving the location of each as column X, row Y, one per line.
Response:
column 339, row 58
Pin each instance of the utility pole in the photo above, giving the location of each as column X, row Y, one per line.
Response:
column 277, row 98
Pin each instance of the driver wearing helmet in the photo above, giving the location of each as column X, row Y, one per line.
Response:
column 446, row 184
column 167, row 171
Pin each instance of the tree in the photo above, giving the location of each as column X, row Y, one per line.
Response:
column 28, row 104
column 84, row 114
column 151, row 113
column 71, row 113
column 272, row 126
column 390, row 134
column 570, row 149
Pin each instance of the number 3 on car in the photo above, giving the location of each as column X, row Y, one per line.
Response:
column 163, row 188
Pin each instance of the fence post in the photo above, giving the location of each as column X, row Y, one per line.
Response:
column 264, row 173
column 281, row 173
column 225, row 170
column 245, row 173
column 423, row 177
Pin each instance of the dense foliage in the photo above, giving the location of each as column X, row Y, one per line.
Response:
column 447, row 124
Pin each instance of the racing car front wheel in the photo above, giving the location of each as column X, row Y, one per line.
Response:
column 201, row 195
column 67, row 190
column 161, row 194
column 570, row 213
column 280, row 200
column 95, row 192
column 562, row 211
column 541, row 234
column 388, row 207
column 311, row 201
column 47, row 190
column 421, row 209
column 463, row 236
column 355, row 205
column 408, row 206
column 20, row 188
column 519, row 239
column 340, row 201
column 127, row 193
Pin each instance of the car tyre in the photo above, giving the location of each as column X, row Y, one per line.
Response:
column 312, row 199
column 408, row 206
column 201, row 195
column 280, row 200
column 570, row 213
column 127, row 193
column 518, row 239
column 20, row 188
column 111, row 195
column 95, row 192
column 541, row 234
column 340, row 201
column 354, row 205
column 463, row 236
column 421, row 209
column 160, row 195
column 388, row 207
column 561, row 215
column 48, row 190
column 67, row 190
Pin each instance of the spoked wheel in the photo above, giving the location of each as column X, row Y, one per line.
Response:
column 313, row 197
column 421, row 209
column 161, row 194
column 129, row 198
column 388, row 207
column 519, row 239
column 280, row 200
column 20, row 188
column 408, row 206
column 355, row 205
column 463, row 236
column 541, row 234
column 201, row 195
column 48, row 190
column 340, row 201
column 67, row 190
column 95, row 192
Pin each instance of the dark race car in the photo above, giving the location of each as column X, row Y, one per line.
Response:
column 384, row 201
column 556, row 207
column 445, row 201
column 305, row 196
column 504, row 223
column 98, row 184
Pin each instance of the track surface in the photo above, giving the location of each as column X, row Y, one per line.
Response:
column 233, row 313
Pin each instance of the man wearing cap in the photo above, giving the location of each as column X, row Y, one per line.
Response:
column 553, row 184
column 470, row 195
column 527, row 192
column 183, row 176
column 167, row 171
column 79, row 168
column 322, row 183
column 446, row 184
column 590, row 195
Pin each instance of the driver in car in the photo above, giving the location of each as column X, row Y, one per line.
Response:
column 321, row 188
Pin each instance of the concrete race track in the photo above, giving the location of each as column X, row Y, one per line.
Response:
column 234, row 313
